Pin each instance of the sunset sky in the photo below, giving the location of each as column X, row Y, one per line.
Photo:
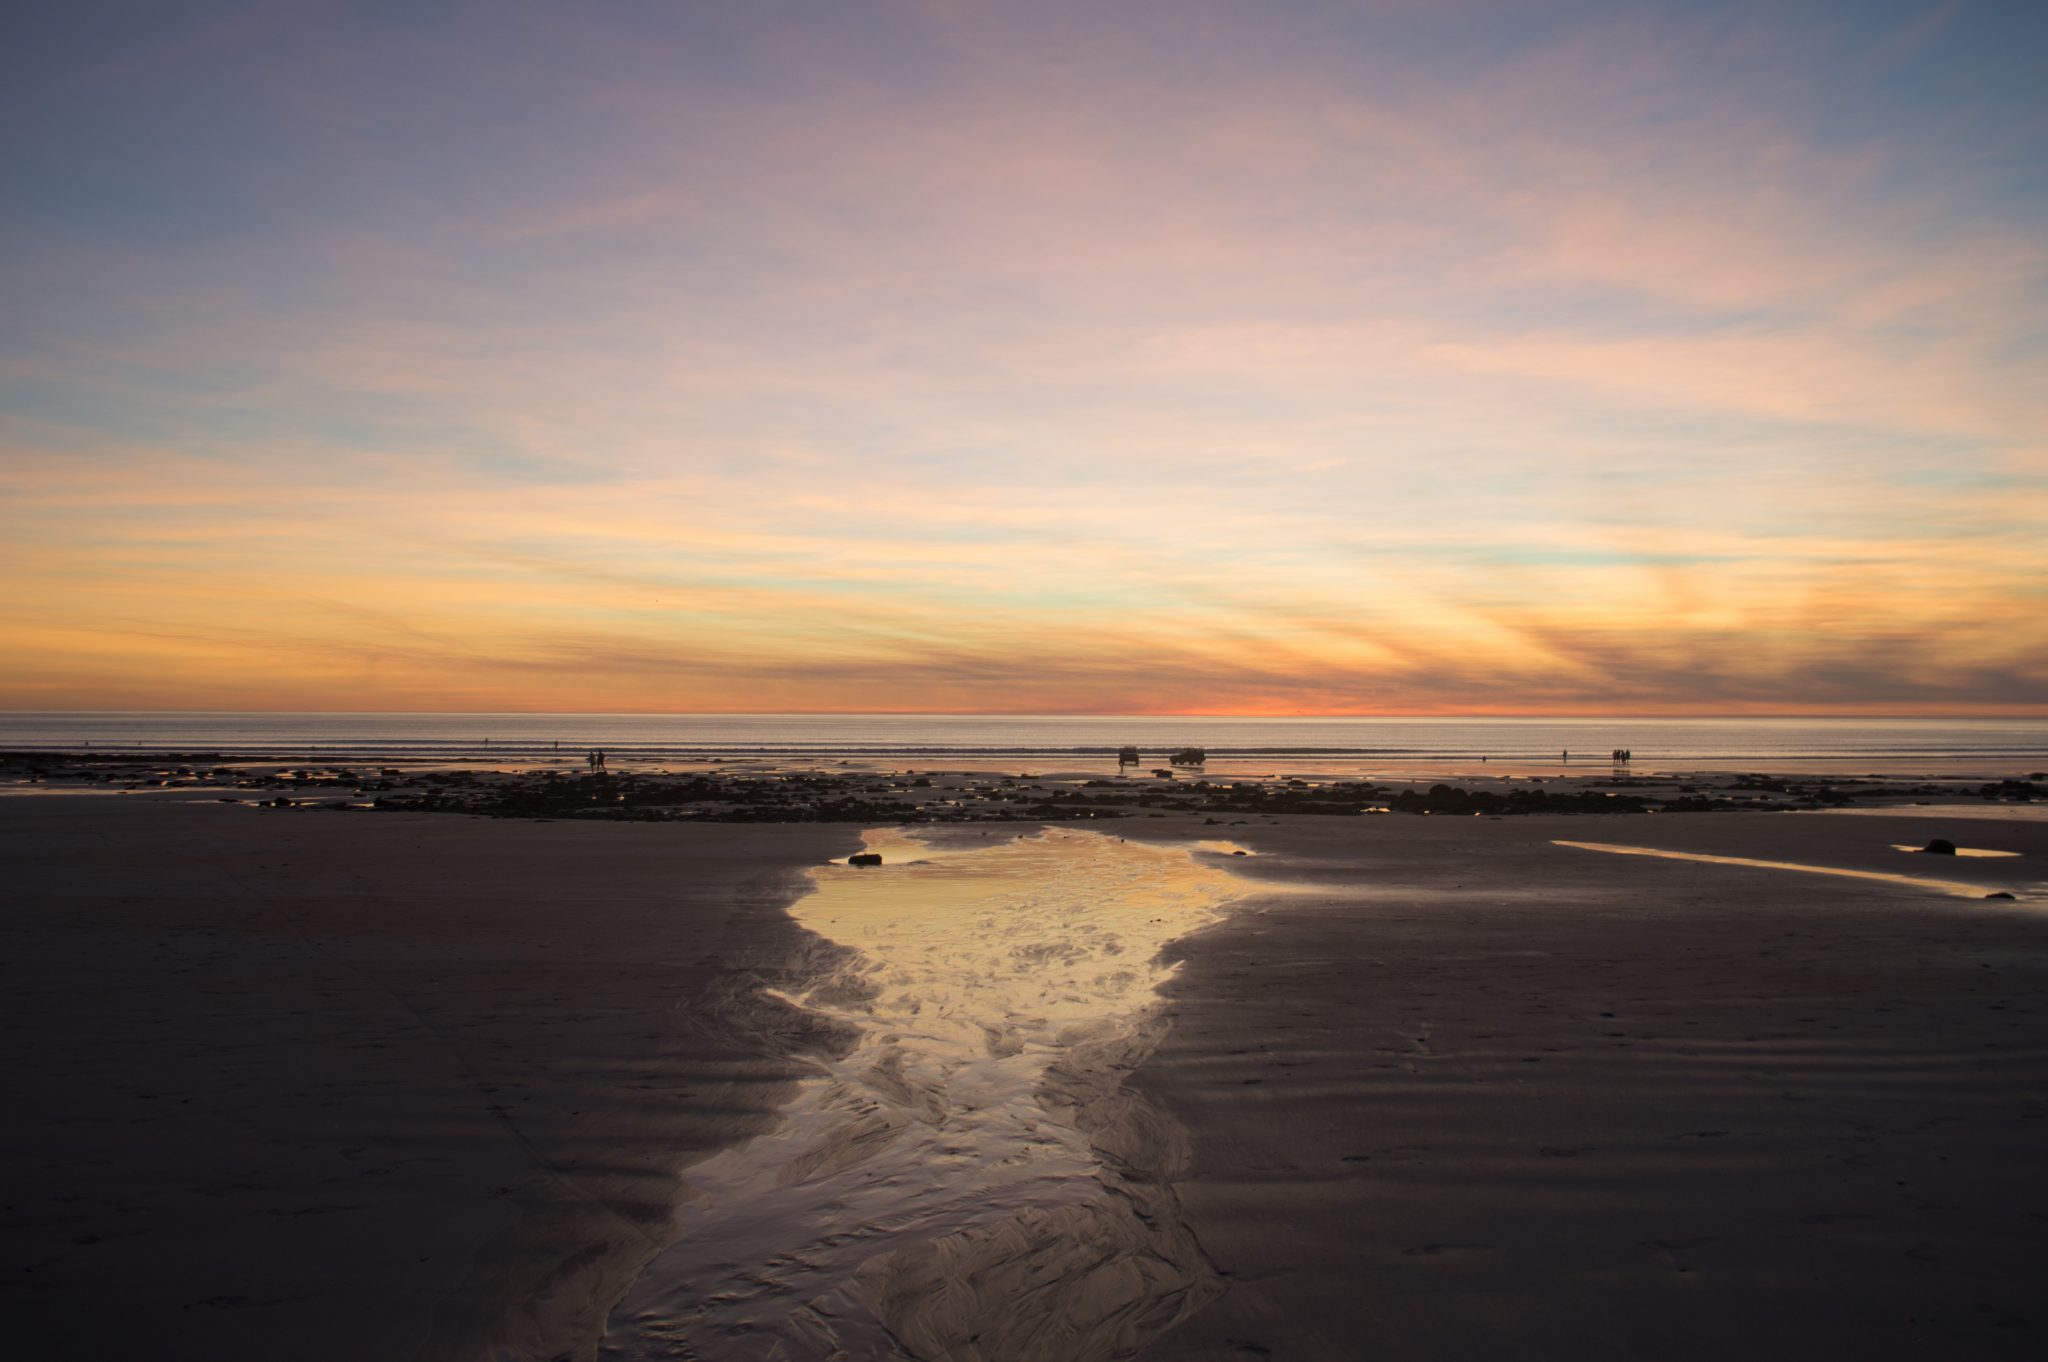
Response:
column 1194, row 356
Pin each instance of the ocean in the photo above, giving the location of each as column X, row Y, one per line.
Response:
column 1888, row 745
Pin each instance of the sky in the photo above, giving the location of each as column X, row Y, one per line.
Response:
column 1177, row 356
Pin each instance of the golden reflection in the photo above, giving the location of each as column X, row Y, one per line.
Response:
column 1956, row 887
column 1959, row 851
column 1000, row 994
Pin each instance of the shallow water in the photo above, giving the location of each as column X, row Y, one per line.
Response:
column 1996, row 813
column 1959, row 851
column 956, row 1154
column 1955, row 887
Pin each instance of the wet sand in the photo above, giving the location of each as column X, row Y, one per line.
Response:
column 369, row 1089
column 413, row 1086
column 1485, row 1096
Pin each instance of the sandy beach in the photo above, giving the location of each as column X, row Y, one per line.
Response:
column 1477, row 1095
column 397, row 1085
column 958, row 681
column 374, row 1088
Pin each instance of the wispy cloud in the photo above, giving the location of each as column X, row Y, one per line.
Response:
column 1400, row 357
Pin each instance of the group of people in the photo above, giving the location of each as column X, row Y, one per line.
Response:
column 1623, row 756
column 595, row 761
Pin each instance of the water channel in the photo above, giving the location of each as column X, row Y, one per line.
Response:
column 972, row 1180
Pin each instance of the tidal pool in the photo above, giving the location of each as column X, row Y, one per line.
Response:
column 971, row 1180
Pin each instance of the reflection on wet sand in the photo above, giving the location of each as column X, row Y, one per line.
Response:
column 1957, row 887
column 971, row 1180
column 1984, row 853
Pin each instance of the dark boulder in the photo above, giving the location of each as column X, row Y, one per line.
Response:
column 865, row 858
column 1939, row 846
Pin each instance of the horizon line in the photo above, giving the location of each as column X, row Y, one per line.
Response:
column 1445, row 715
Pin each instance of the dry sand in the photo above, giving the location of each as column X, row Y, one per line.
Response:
column 373, row 1087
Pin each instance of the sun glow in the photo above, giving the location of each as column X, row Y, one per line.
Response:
column 1403, row 369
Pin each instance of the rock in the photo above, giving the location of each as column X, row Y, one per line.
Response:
column 865, row 858
column 1939, row 846
column 1240, row 853
column 2000, row 894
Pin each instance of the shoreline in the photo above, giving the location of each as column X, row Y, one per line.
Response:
column 768, row 792
column 1076, row 765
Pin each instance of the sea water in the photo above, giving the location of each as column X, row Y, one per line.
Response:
column 1056, row 741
